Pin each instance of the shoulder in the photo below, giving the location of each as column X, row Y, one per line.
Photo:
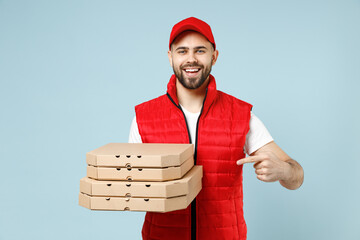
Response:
column 231, row 100
column 152, row 104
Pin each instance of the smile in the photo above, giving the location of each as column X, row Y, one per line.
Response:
column 191, row 70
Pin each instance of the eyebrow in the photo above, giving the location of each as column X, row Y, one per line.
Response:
column 196, row 48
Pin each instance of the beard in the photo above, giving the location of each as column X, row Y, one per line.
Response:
column 192, row 82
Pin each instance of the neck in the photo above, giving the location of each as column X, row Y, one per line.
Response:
column 191, row 99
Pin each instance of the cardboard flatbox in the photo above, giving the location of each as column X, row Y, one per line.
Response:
column 141, row 189
column 140, row 174
column 140, row 155
column 140, row 204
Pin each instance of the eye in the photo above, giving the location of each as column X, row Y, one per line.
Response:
column 181, row 52
column 200, row 51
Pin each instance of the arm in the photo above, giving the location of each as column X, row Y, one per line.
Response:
column 134, row 135
column 272, row 164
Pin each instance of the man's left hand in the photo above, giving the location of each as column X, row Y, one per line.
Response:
column 268, row 167
column 272, row 164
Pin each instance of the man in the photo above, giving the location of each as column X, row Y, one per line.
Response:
column 221, row 127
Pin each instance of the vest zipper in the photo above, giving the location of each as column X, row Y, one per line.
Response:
column 187, row 127
column 193, row 203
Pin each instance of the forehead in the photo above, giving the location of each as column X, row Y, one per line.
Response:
column 189, row 39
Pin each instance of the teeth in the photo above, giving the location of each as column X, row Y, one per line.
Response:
column 191, row 70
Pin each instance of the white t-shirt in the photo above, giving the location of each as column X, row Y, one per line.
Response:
column 257, row 136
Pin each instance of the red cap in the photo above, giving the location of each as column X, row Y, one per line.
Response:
column 194, row 24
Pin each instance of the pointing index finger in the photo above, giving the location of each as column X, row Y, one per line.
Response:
column 252, row 159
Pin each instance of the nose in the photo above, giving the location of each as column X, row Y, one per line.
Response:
column 192, row 58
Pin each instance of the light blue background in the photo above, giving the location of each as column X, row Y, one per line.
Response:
column 72, row 71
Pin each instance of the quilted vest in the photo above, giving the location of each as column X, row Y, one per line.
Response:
column 217, row 211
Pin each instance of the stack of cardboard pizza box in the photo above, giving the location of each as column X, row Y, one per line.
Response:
column 140, row 177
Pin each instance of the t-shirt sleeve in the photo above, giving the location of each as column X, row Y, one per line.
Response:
column 134, row 135
column 257, row 136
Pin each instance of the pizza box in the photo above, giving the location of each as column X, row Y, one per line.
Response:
column 140, row 155
column 141, row 189
column 139, row 203
column 140, row 174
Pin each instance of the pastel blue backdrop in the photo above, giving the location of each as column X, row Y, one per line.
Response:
column 71, row 73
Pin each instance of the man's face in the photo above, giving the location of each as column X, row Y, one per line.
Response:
column 191, row 58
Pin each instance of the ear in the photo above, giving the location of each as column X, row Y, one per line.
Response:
column 214, row 57
column 170, row 57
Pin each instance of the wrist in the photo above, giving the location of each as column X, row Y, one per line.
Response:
column 293, row 175
column 288, row 171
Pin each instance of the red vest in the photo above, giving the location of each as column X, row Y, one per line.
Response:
column 217, row 211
